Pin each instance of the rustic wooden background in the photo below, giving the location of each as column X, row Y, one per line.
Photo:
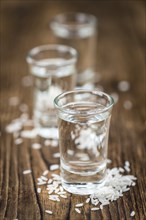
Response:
column 121, row 56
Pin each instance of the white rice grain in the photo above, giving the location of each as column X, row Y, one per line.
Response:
column 79, row 205
column 77, row 210
column 29, row 133
column 127, row 105
column 56, row 155
column 41, row 183
column 44, row 178
column 70, row 152
column 47, row 143
column 14, row 126
column 127, row 163
column 23, row 107
column 48, row 133
column 54, row 198
column 63, row 196
column 36, row 146
column 26, row 172
column 87, row 200
column 109, row 161
column 54, row 167
column 49, row 212
column 14, row 101
column 45, row 172
column 121, row 170
column 27, row 81
column 61, row 193
column 54, row 143
column 123, row 86
column 132, row 213
column 127, row 168
column 94, row 209
column 50, row 181
column 38, row 190
column 18, row 141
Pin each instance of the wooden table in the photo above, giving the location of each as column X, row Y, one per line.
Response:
column 121, row 56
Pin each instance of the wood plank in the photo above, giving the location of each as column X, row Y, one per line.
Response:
column 27, row 199
column 11, row 211
column 5, row 161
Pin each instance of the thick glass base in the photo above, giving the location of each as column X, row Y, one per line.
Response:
column 82, row 188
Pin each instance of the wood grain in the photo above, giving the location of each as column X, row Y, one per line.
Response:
column 121, row 56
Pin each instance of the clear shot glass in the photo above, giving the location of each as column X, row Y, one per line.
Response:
column 78, row 30
column 54, row 70
column 83, row 121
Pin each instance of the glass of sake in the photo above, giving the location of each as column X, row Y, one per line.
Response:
column 53, row 68
column 78, row 30
column 83, row 123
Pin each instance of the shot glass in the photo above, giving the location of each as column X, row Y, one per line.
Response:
column 83, row 121
column 54, row 70
column 78, row 30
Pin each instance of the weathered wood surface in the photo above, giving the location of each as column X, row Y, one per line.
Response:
column 121, row 56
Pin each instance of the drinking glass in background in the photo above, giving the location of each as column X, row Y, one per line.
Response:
column 79, row 31
column 83, row 122
column 54, row 70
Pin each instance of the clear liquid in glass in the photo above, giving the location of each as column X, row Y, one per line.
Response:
column 48, row 83
column 84, row 41
column 83, row 147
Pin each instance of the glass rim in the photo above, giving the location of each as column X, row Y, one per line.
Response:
column 92, row 20
column 52, row 47
column 89, row 112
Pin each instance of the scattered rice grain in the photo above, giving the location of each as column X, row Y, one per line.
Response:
column 56, row 155
column 26, row 171
column 14, row 126
column 54, row 198
column 79, row 205
column 127, row 163
column 18, row 141
column 45, row 172
column 61, row 193
column 54, row 167
column 41, row 183
column 14, row 101
column 87, row 200
column 132, row 213
column 50, row 181
column 127, row 105
column 23, row 107
column 49, row 212
column 27, row 81
column 94, row 209
column 29, row 133
column 127, row 168
column 77, row 210
column 70, row 152
column 109, row 161
column 47, row 142
column 44, row 178
column 54, row 143
column 63, row 196
column 123, row 86
column 36, row 146
column 38, row 190
column 50, row 133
